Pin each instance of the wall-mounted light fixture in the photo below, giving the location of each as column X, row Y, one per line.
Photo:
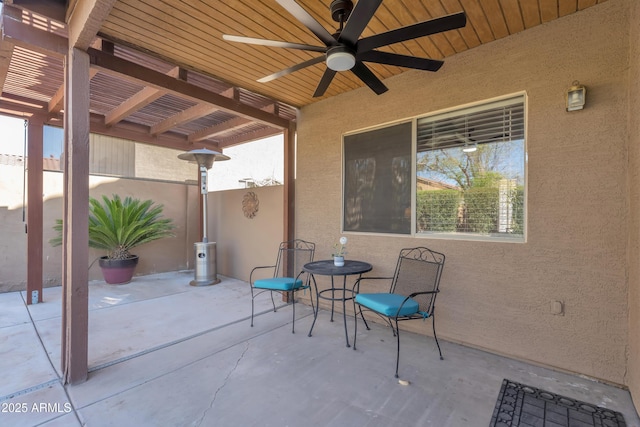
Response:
column 576, row 96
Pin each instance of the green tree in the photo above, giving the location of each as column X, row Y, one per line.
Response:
column 481, row 168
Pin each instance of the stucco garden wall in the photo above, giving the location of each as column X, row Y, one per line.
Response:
column 243, row 243
column 498, row 296
column 176, row 253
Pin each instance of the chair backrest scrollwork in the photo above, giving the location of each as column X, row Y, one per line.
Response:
column 292, row 256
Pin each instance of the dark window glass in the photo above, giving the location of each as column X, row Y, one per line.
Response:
column 377, row 180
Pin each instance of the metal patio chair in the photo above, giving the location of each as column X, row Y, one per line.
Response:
column 287, row 275
column 411, row 296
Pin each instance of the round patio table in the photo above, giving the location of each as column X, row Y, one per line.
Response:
column 333, row 294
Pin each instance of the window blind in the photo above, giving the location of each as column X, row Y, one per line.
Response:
column 499, row 121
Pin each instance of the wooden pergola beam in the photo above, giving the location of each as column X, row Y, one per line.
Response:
column 51, row 9
column 57, row 100
column 143, row 76
column 16, row 107
column 6, row 52
column 211, row 131
column 138, row 101
column 248, row 137
column 140, row 133
column 20, row 34
column 182, row 117
column 29, row 105
column 85, row 20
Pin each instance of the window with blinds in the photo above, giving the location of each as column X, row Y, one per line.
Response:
column 468, row 175
column 470, row 171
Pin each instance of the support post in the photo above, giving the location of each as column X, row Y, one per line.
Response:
column 34, row 211
column 289, row 181
column 289, row 195
column 75, row 304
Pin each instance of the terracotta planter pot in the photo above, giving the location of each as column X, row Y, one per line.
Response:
column 118, row 271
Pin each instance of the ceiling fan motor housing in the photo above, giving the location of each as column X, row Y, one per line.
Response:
column 341, row 9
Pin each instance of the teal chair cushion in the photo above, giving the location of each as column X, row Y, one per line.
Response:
column 388, row 304
column 278, row 283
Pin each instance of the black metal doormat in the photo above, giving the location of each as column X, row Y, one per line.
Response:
column 521, row 405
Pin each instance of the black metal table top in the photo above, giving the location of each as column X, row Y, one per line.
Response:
column 327, row 268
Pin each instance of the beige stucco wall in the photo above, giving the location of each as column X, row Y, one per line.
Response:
column 154, row 162
column 498, row 296
column 243, row 243
column 633, row 375
column 176, row 253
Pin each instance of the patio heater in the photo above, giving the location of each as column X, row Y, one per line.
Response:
column 205, row 251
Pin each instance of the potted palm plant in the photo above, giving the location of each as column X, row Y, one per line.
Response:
column 118, row 226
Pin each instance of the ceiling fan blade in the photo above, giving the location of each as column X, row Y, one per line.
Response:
column 401, row 60
column 325, row 81
column 308, row 21
column 410, row 32
column 291, row 69
column 366, row 75
column 358, row 20
column 273, row 43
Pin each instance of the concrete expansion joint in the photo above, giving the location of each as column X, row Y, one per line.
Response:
column 224, row 383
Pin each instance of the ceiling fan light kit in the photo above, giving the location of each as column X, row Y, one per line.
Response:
column 346, row 51
column 340, row 58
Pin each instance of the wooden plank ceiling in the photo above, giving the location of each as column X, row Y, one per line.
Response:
column 217, row 100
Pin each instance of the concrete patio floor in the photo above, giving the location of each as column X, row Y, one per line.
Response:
column 163, row 353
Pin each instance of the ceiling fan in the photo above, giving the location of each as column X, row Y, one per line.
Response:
column 344, row 50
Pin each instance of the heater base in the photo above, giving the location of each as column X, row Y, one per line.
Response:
column 205, row 264
column 204, row 282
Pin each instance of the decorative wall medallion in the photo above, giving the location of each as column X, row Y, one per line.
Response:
column 250, row 204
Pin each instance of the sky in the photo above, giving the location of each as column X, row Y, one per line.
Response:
column 12, row 131
column 256, row 160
